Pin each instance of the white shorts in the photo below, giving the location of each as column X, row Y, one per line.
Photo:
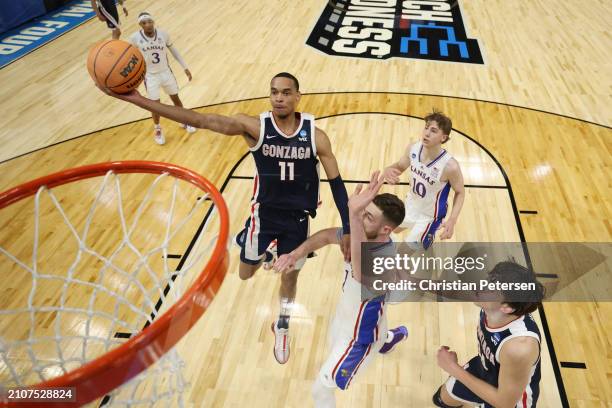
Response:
column 347, row 358
column 165, row 80
column 422, row 232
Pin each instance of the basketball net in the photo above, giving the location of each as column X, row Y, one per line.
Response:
column 121, row 275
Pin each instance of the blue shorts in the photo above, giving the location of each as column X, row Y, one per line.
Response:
column 266, row 224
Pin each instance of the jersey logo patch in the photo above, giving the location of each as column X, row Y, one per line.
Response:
column 495, row 338
column 270, row 136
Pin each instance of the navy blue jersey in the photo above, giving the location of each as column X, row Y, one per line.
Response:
column 286, row 165
column 490, row 342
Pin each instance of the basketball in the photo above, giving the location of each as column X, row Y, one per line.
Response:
column 116, row 65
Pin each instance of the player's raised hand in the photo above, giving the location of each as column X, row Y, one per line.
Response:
column 285, row 263
column 359, row 200
column 188, row 73
column 391, row 175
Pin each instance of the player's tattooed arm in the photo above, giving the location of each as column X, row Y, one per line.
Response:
column 455, row 178
column 330, row 164
column 517, row 358
column 286, row 262
column 393, row 172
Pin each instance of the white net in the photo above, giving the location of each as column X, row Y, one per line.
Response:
column 90, row 264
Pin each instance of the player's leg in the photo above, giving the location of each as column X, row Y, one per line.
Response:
column 171, row 87
column 454, row 394
column 108, row 9
column 152, row 84
column 253, row 240
column 443, row 400
column 295, row 232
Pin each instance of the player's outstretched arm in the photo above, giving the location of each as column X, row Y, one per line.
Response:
column 394, row 171
column 358, row 202
column 330, row 164
column 455, row 178
column 517, row 358
column 286, row 262
column 228, row 125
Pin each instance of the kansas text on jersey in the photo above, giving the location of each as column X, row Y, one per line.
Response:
column 427, row 199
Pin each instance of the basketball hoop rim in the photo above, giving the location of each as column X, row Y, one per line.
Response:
column 103, row 374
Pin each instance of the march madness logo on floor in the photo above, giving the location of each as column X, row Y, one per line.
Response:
column 382, row 29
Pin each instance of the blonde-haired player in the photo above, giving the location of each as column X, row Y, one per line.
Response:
column 434, row 172
column 154, row 44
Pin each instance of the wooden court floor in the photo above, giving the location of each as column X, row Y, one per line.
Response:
column 234, row 365
column 530, row 129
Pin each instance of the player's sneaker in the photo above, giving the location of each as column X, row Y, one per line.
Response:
column 399, row 334
column 281, row 344
column 158, row 136
column 188, row 128
column 271, row 255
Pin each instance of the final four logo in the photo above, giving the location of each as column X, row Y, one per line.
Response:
column 382, row 29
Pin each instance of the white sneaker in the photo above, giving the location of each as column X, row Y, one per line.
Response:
column 158, row 136
column 188, row 128
column 281, row 344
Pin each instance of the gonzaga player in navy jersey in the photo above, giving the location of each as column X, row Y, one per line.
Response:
column 433, row 173
column 359, row 329
column 506, row 371
column 287, row 148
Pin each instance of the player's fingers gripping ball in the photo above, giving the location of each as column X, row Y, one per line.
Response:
column 116, row 65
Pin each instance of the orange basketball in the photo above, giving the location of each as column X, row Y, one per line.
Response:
column 116, row 65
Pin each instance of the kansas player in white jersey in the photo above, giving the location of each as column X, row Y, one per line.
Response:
column 433, row 173
column 506, row 371
column 359, row 328
column 287, row 148
column 154, row 43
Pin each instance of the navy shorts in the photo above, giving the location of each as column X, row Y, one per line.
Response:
column 266, row 224
column 462, row 393
column 109, row 11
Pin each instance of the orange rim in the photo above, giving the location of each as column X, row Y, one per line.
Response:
column 105, row 373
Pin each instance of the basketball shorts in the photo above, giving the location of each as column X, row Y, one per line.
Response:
column 109, row 11
column 422, row 233
column 461, row 393
column 265, row 224
column 164, row 79
column 347, row 358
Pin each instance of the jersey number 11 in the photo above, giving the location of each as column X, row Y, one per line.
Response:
column 283, row 172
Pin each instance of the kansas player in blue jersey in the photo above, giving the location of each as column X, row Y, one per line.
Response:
column 506, row 371
column 287, row 148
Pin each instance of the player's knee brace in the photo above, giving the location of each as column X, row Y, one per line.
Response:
column 437, row 400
